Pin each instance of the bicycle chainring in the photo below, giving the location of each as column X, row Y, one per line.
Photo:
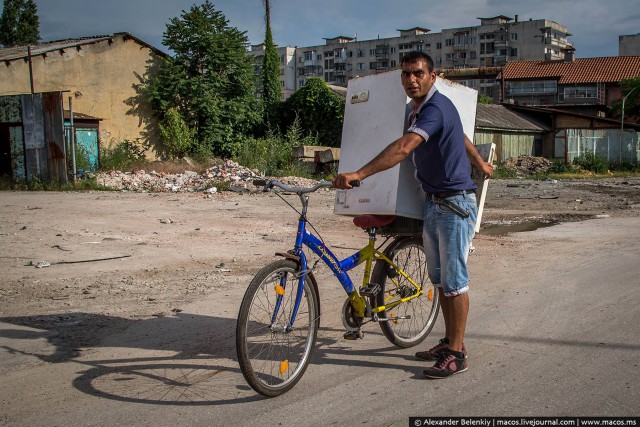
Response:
column 349, row 318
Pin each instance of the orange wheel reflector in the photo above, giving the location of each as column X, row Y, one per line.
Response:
column 284, row 365
column 430, row 295
column 279, row 290
column 393, row 316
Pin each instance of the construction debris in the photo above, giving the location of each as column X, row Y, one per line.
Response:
column 525, row 165
column 229, row 175
column 189, row 181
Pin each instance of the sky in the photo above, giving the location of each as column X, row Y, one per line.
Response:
column 594, row 24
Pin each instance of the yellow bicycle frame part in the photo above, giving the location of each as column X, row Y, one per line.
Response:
column 369, row 254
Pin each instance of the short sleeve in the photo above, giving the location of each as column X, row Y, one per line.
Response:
column 429, row 122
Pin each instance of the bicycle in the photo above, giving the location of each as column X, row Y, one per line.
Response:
column 279, row 315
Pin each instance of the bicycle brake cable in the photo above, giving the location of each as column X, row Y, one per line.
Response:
column 308, row 223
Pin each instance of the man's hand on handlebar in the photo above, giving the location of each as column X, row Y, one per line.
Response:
column 345, row 181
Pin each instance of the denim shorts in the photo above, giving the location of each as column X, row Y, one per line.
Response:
column 447, row 239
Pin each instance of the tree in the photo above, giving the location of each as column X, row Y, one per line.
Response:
column 320, row 110
column 19, row 24
column 270, row 73
column 631, row 89
column 209, row 80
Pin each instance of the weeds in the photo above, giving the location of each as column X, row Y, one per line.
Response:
column 124, row 155
column 271, row 155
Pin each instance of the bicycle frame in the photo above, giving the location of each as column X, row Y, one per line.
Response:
column 368, row 255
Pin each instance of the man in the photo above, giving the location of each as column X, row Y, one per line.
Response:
column 439, row 147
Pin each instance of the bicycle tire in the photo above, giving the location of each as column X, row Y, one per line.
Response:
column 408, row 254
column 271, row 359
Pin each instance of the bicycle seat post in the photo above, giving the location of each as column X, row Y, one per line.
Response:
column 372, row 233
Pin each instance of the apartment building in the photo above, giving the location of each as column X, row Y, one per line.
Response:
column 629, row 45
column 491, row 44
column 287, row 67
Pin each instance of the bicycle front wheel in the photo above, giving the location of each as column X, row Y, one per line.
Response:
column 273, row 354
column 408, row 323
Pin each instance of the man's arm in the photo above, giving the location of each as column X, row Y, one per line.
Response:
column 476, row 160
column 388, row 158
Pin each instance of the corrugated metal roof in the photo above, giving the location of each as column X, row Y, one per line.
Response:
column 18, row 52
column 582, row 70
column 492, row 116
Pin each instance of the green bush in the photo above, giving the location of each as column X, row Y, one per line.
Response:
column 559, row 167
column 592, row 162
column 123, row 156
column 176, row 136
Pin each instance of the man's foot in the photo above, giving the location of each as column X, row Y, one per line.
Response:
column 434, row 352
column 447, row 365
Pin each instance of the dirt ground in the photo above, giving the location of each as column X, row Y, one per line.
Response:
column 118, row 257
column 123, row 274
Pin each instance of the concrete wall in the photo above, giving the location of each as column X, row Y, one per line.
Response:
column 99, row 76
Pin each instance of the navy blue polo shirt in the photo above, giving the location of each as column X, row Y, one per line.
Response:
column 441, row 159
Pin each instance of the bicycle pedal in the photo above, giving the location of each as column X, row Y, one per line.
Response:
column 370, row 290
column 353, row 335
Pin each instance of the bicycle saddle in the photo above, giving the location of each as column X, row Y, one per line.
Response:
column 373, row 221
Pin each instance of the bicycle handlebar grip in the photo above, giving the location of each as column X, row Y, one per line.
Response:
column 260, row 182
column 355, row 183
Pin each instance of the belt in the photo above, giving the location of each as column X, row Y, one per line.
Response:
column 446, row 194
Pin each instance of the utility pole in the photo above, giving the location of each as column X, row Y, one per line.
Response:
column 624, row 99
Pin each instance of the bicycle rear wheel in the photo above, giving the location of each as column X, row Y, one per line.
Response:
column 415, row 318
column 272, row 354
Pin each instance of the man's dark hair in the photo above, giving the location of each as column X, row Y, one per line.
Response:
column 415, row 56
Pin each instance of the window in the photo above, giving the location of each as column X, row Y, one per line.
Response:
column 393, row 50
column 308, row 56
column 449, row 57
column 372, row 52
column 472, row 54
column 350, row 54
column 439, row 45
column 300, row 83
column 372, row 65
column 393, row 63
column 580, row 92
column 514, row 52
column 360, row 53
column 360, row 66
column 428, row 45
column 448, row 42
column 535, row 87
column 320, row 57
column 514, row 36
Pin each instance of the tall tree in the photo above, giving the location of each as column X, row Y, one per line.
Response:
column 19, row 24
column 270, row 73
column 209, row 80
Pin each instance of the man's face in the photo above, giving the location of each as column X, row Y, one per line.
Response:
column 417, row 80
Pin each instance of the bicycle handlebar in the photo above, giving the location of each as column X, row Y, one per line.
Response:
column 270, row 183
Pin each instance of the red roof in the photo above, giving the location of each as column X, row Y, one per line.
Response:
column 609, row 69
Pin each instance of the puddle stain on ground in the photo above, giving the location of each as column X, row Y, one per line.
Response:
column 504, row 227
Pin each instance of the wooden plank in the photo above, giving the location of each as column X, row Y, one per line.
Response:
column 487, row 152
column 307, row 150
column 327, row 156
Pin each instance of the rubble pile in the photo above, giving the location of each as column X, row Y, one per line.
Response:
column 228, row 175
column 527, row 165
